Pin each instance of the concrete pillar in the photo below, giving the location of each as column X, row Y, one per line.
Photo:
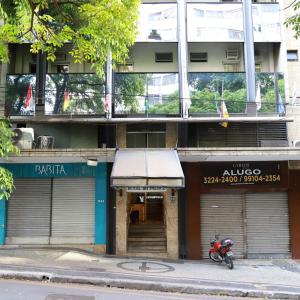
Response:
column 121, row 222
column 171, row 220
column 293, row 127
column 249, row 57
column 108, row 88
column 121, row 136
column 171, row 135
column 184, row 94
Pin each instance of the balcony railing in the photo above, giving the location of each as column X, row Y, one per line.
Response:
column 146, row 94
column 74, row 94
column 207, row 90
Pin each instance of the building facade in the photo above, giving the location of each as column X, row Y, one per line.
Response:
column 188, row 139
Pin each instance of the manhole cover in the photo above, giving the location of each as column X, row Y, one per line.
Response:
column 145, row 267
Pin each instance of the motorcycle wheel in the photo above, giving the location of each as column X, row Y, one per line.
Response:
column 229, row 262
column 213, row 257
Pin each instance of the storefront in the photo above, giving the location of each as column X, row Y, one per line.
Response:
column 57, row 204
column 246, row 201
column 147, row 181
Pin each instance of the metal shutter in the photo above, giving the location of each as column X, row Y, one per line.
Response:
column 267, row 224
column 73, row 210
column 221, row 214
column 28, row 218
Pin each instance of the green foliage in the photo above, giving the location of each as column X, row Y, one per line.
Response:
column 169, row 105
column 94, row 28
column 6, row 148
column 294, row 20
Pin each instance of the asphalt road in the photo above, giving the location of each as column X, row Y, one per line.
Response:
column 27, row 290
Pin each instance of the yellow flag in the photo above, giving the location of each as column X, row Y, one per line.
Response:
column 224, row 114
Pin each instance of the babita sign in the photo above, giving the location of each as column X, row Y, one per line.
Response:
column 242, row 173
column 50, row 170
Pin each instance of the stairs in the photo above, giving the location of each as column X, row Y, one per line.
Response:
column 147, row 240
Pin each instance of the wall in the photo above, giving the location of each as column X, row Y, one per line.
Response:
column 294, row 211
column 144, row 57
column 69, row 136
column 293, row 127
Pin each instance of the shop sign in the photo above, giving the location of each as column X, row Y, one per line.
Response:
column 239, row 173
column 137, row 189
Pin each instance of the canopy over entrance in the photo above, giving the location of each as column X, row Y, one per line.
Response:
column 147, row 168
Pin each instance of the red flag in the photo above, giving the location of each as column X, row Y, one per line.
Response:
column 28, row 97
column 66, row 100
column 107, row 103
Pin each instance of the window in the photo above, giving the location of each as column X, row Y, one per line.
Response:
column 163, row 57
column 146, row 136
column 292, row 55
column 198, row 56
column 62, row 68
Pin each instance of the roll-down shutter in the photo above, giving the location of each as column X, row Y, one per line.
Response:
column 28, row 218
column 221, row 214
column 267, row 224
column 73, row 210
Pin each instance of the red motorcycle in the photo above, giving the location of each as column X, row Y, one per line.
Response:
column 221, row 251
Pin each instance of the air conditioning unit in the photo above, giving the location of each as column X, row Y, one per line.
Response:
column 296, row 143
column 232, row 54
column 23, row 138
column 45, row 142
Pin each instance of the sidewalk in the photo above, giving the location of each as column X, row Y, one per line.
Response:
column 276, row 279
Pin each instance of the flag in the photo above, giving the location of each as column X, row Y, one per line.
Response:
column 107, row 103
column 66, row 100
column 258, row 97
column 280, row 106
column 294, row 97
column 28, row 100
column 224, row 114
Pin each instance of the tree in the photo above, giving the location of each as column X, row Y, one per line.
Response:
column 294, row 20
column 94, row 28
column 6, row 148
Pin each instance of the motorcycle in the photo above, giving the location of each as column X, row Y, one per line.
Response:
column 221, row 251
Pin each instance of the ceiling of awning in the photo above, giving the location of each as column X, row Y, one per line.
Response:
column 147, row 168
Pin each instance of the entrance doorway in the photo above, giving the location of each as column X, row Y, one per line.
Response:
column 146, row 230
column 146, row 208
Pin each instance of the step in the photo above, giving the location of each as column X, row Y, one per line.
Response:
column 148, row 244
column 146, row 239
column 147, row 249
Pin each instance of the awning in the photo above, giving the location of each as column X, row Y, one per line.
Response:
column 147, row 168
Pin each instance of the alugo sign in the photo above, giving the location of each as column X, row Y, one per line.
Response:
column 241, row 173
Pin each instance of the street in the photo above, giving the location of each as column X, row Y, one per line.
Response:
column 28, row 290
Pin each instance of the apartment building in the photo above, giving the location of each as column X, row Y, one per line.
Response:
column 188, row 139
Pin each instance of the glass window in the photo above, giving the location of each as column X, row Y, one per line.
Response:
column 292, row 55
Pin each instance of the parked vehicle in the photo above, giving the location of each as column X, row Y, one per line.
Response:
column 221, row 251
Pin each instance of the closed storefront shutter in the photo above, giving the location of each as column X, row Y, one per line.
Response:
column 221, row 214
column 28, row 218
column 73, row 210
column 267, row 224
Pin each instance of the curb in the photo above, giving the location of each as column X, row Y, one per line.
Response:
column 147, row 285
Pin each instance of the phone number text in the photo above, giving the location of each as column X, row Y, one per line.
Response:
column 241, row 179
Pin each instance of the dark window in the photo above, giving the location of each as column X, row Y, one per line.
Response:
column 146, row 136
column 32, row 68
column 292, row 55
column 198, row 56
column 163, row 57
column 62, row 68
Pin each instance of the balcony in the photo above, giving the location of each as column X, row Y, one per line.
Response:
column 207, row 90
column 146, row 94
column 65, row 94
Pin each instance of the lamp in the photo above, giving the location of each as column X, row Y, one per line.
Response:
column 172, row 198
column 154, row 35
column 120, row 191
column 92, row 162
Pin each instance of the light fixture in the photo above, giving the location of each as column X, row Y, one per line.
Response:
column 173, row 197
column 120, row 192
column 154, row 35
column 92, row 162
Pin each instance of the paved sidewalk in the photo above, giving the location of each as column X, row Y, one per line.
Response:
column 276, row 279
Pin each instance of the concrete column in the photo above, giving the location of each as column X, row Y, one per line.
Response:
column 171, row 220
column 171, row 135
column 121, row 222
column 108, row 89
column 249, row 57
column 184, row 94
column 121, row 136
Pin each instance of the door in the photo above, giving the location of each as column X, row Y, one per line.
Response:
column 267, row 225
column 73, row 211
column 221, row 214
column 28, row 214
